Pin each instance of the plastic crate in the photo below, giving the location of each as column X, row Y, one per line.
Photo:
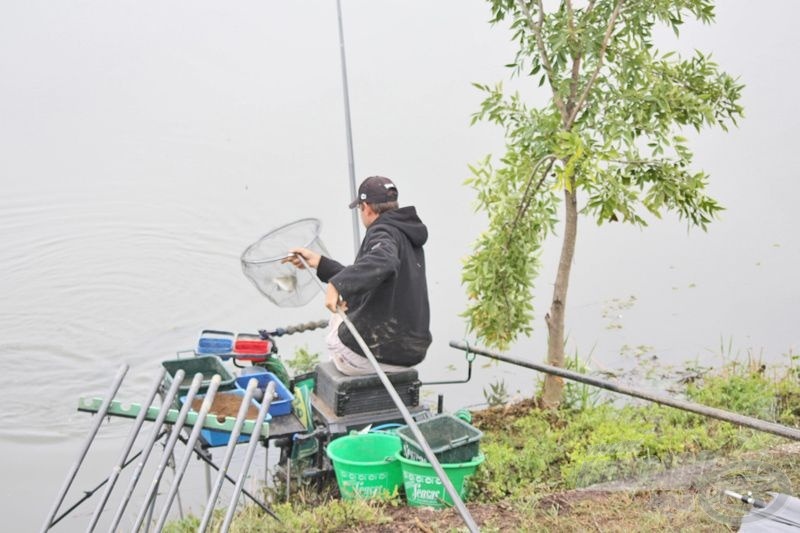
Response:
column 451, row 439
column 208, row 365
column 215, row 437
column 282, row 405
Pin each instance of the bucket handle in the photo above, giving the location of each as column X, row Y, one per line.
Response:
column 386, row 428
column 459, row 440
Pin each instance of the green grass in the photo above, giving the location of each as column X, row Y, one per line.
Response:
column 534, row 455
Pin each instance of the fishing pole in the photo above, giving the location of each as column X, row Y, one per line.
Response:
column 712, row 412
column 351, row 167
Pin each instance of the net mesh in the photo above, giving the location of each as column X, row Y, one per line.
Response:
column 282, row 283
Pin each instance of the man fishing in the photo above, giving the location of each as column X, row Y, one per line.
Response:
column 384, row 292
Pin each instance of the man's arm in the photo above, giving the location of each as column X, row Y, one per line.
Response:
column 379, row 260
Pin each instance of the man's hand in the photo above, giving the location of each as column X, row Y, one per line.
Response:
column 312, row 258
column 332, row 300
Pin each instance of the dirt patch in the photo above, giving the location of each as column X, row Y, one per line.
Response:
column 499, row 517
column 502, row 416
column 226, row 404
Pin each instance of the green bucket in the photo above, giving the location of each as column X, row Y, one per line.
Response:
column 425, row 489
column 366, row 465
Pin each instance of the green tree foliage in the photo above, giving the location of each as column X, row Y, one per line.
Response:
column 609, row 135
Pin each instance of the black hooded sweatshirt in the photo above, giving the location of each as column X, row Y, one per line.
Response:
column 386, row 290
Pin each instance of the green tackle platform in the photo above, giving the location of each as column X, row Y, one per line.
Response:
column 132, row 410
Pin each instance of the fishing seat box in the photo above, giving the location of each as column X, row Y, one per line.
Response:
column 347, row 395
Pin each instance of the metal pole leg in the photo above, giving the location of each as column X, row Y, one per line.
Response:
column 137, row 425
column 251, row 450
column 82, row 455
column 154, row 437
column 173, row 438
column 226, row 461
column 181, row 469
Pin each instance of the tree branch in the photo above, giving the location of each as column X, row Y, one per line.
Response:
column 576, row 57
column 527, row 193
column 600, row 61
column 536, row 28
column 641, row 162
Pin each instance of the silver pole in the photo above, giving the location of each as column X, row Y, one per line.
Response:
column 226, row 461
column 173, row 438
column 148, row 447
column 115, row 471
column 351, row 166
column 187, row 455
column 101, row 413
column 251, row 450
column 712, row 412
column 448, row 485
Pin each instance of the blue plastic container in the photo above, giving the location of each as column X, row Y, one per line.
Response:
column 282, row 405
column 215, row 342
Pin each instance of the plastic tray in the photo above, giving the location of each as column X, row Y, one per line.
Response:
column 282, row 405
column 451, row 439
column 208, row 365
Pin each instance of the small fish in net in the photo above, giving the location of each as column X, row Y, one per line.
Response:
column 286, row 283
column 282, row 283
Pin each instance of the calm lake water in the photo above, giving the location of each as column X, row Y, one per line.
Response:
column 144, row 148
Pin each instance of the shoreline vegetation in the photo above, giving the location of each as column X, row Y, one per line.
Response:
column 595, row 464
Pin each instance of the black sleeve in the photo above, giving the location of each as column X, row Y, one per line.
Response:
column 327, row 268
column 380, row 258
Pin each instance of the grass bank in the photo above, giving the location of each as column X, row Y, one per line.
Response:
column 602, row 467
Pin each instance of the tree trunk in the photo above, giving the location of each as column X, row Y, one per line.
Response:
column 554, row 385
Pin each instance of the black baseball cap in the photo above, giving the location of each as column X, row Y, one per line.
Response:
column 375, row 190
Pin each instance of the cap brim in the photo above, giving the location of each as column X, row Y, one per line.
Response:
column 354, row 203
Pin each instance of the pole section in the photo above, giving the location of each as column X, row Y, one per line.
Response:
column 226, row 461
column 205, row 407
column 711, row 412
column 351, row 166
column 84, row 450
column 173, row 437
column 251, row 450
column 148, row 447
column 115, row 471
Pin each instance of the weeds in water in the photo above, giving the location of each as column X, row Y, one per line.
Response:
column 579, row 396
column 497, row 393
